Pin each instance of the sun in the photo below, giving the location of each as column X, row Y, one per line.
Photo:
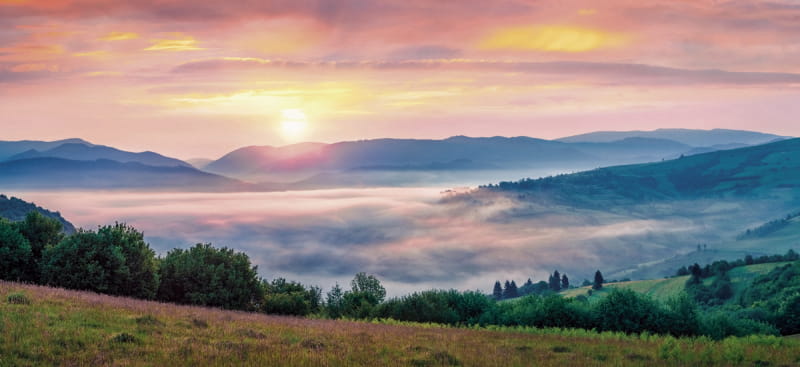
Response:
column 294, row 124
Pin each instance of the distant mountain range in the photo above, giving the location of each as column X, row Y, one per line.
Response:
column 769, row 170
column 55, row 173
column 15, row 210
column 326, row 163
column 76, row 163
column 692, row 137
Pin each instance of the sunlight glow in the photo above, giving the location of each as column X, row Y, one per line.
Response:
column 294, row 124
column 553, row 38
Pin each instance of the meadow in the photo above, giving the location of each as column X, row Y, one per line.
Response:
column 42, row 326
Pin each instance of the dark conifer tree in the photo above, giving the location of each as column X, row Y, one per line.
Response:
column 498, row 291
column 512, row 290
column 564, row 282
column 598, row 280
column 506, row 289
column 555, row 281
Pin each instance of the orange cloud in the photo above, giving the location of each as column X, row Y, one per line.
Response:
column 119, row 36
column 551, row 38
column 26, row 68
column 99, row 53
column 186, row 44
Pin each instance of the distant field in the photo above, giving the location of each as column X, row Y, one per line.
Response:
column 663, row 289
column 45, row 326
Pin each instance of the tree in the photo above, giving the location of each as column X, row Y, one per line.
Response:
column 290, row 298
column 511, row 291
column 564, row 282
column 142, row 280
column 497, row 293
column 789, row 315
column 598, row 280
column 84, row 261
column 16, row 258
column 40, row 231
column 209, row 276
column 369, row 284
column 555, row 281
column 334, row 302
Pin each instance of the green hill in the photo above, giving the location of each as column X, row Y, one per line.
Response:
column 15, row 209
column 42, row 326
column 664, row 289
column 764, row 171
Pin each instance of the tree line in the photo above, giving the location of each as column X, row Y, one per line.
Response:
column 556, row 282
column 115, row 259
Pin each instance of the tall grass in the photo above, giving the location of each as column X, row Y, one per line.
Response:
column 61, row 327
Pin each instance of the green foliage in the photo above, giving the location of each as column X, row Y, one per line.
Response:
column 598, row 280
column 334, row 302
column 290, row 298
column 84, row 261
column 41, row 232
column 627, row 311
column 18, row 298
column 439, row 306
column 208, row 276
column 16, row 257
column 789, row 315
column 140, row 259
column 363, row 283
column 113, row 260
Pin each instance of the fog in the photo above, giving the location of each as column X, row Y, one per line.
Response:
column 411, row 238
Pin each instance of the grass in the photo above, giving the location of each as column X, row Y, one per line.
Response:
column 664, row 289
column 60, row 327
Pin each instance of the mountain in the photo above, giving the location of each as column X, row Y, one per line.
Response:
column 458, row 153
column 759, row 171
column 11, row 148
column 692, row 137
column 15, row 209
column 58, row 173
column 82, row 151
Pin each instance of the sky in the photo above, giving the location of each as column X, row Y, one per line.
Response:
column 201, row 78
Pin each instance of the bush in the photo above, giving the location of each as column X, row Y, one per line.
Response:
column 290, row 298
column 140, row 259
column 16, row 258
column 208, row 276
column 18, row 299
column 84, row 261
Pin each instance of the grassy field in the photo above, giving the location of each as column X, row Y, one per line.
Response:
column 46, row 326
column 663, row 289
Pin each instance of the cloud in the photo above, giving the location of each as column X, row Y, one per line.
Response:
column 551, row 38
column 187, row 43
column 605, row 73
column 119, row 36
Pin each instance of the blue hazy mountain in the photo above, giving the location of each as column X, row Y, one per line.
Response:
column 82, row 151
column 11, row 148
column 692, row 137
column 59, row 173
column 15, row 209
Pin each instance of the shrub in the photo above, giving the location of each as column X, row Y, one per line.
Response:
column 84, row 261
column 18, row 299
column 208, row 276
column 16, row 259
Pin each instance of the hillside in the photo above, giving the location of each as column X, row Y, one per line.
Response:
column 89, row 152
column 57, row 173
column 664, row 289
column 47, row 326
column 15, row 209
column 764, row 171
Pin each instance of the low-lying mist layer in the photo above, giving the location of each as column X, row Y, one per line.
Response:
column 411, row 238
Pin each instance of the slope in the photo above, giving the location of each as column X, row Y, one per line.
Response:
column 88, row 152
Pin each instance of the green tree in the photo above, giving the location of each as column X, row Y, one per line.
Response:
column 564, row 282
column 16, row 258
column 290, row 298
column 84, row 261
column 789, row 315
column 497, row 293
column 598, row 280
column 369, row 284
column 334, row 302
column 40, row 231
column 142, row 280
column 209, row 276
